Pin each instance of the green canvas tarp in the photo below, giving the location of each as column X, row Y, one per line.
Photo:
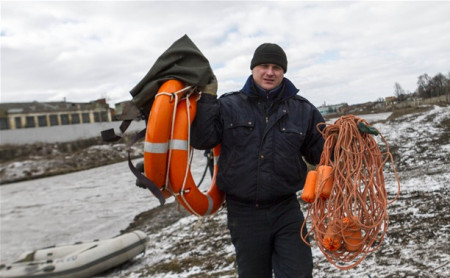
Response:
column 182, row 61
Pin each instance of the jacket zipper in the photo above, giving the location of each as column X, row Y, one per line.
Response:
column 266, row 119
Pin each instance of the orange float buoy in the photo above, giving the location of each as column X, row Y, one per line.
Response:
column 324, row 176
column 309, row 189
column 353, row 238
column 181, row 180
column 332, row 240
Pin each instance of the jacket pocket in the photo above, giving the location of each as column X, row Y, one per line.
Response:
column 241, row 127
column 239, row 133
column 287, row 157
column 289, row 140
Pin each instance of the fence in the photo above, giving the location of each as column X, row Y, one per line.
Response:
column 59, row 134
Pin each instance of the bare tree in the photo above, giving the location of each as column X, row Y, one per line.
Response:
column 439, row 84
column 423, row 86
column 432, row 87
column 399, row 92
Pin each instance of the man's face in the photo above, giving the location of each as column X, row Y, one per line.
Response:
column 268, row 76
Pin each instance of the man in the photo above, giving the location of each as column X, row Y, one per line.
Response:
column 264, row 130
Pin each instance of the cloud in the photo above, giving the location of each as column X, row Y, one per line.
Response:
column 338, row 51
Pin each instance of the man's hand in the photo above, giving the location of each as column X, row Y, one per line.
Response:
column 211, row 88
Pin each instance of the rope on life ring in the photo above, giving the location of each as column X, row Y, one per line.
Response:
column 181, row 180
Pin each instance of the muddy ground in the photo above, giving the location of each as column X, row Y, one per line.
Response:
column 416, row 244
column 181, row 245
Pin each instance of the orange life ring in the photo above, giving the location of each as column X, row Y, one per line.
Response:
column 159, row 125
column 181, row 180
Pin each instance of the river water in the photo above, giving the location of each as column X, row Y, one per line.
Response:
column 80, row 206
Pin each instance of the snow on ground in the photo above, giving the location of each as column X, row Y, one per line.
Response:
column 416, row 243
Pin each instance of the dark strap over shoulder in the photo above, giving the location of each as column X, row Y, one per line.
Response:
column 143, row 180
column 129, row 113
column 109, row 135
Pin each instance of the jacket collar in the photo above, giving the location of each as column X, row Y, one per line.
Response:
column 288, row 89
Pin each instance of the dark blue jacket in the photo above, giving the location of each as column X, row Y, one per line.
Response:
column 262, row 147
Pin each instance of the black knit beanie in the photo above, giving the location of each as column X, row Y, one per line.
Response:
column 269, row 53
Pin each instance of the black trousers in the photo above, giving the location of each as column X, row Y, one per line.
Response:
column 267, row 240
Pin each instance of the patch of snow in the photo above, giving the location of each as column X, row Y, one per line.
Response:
column 98, row 203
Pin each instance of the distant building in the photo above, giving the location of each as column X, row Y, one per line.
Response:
column 390, row 100
column 43, row 114
column 119, row 110
column 329, row 109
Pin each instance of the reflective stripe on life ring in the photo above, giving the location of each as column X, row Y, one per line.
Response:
column 192, row 199
column 157, row 136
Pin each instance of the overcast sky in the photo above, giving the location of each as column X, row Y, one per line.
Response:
column 337, row 52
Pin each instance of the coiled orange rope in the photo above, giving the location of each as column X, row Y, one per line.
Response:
column 348, row 207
